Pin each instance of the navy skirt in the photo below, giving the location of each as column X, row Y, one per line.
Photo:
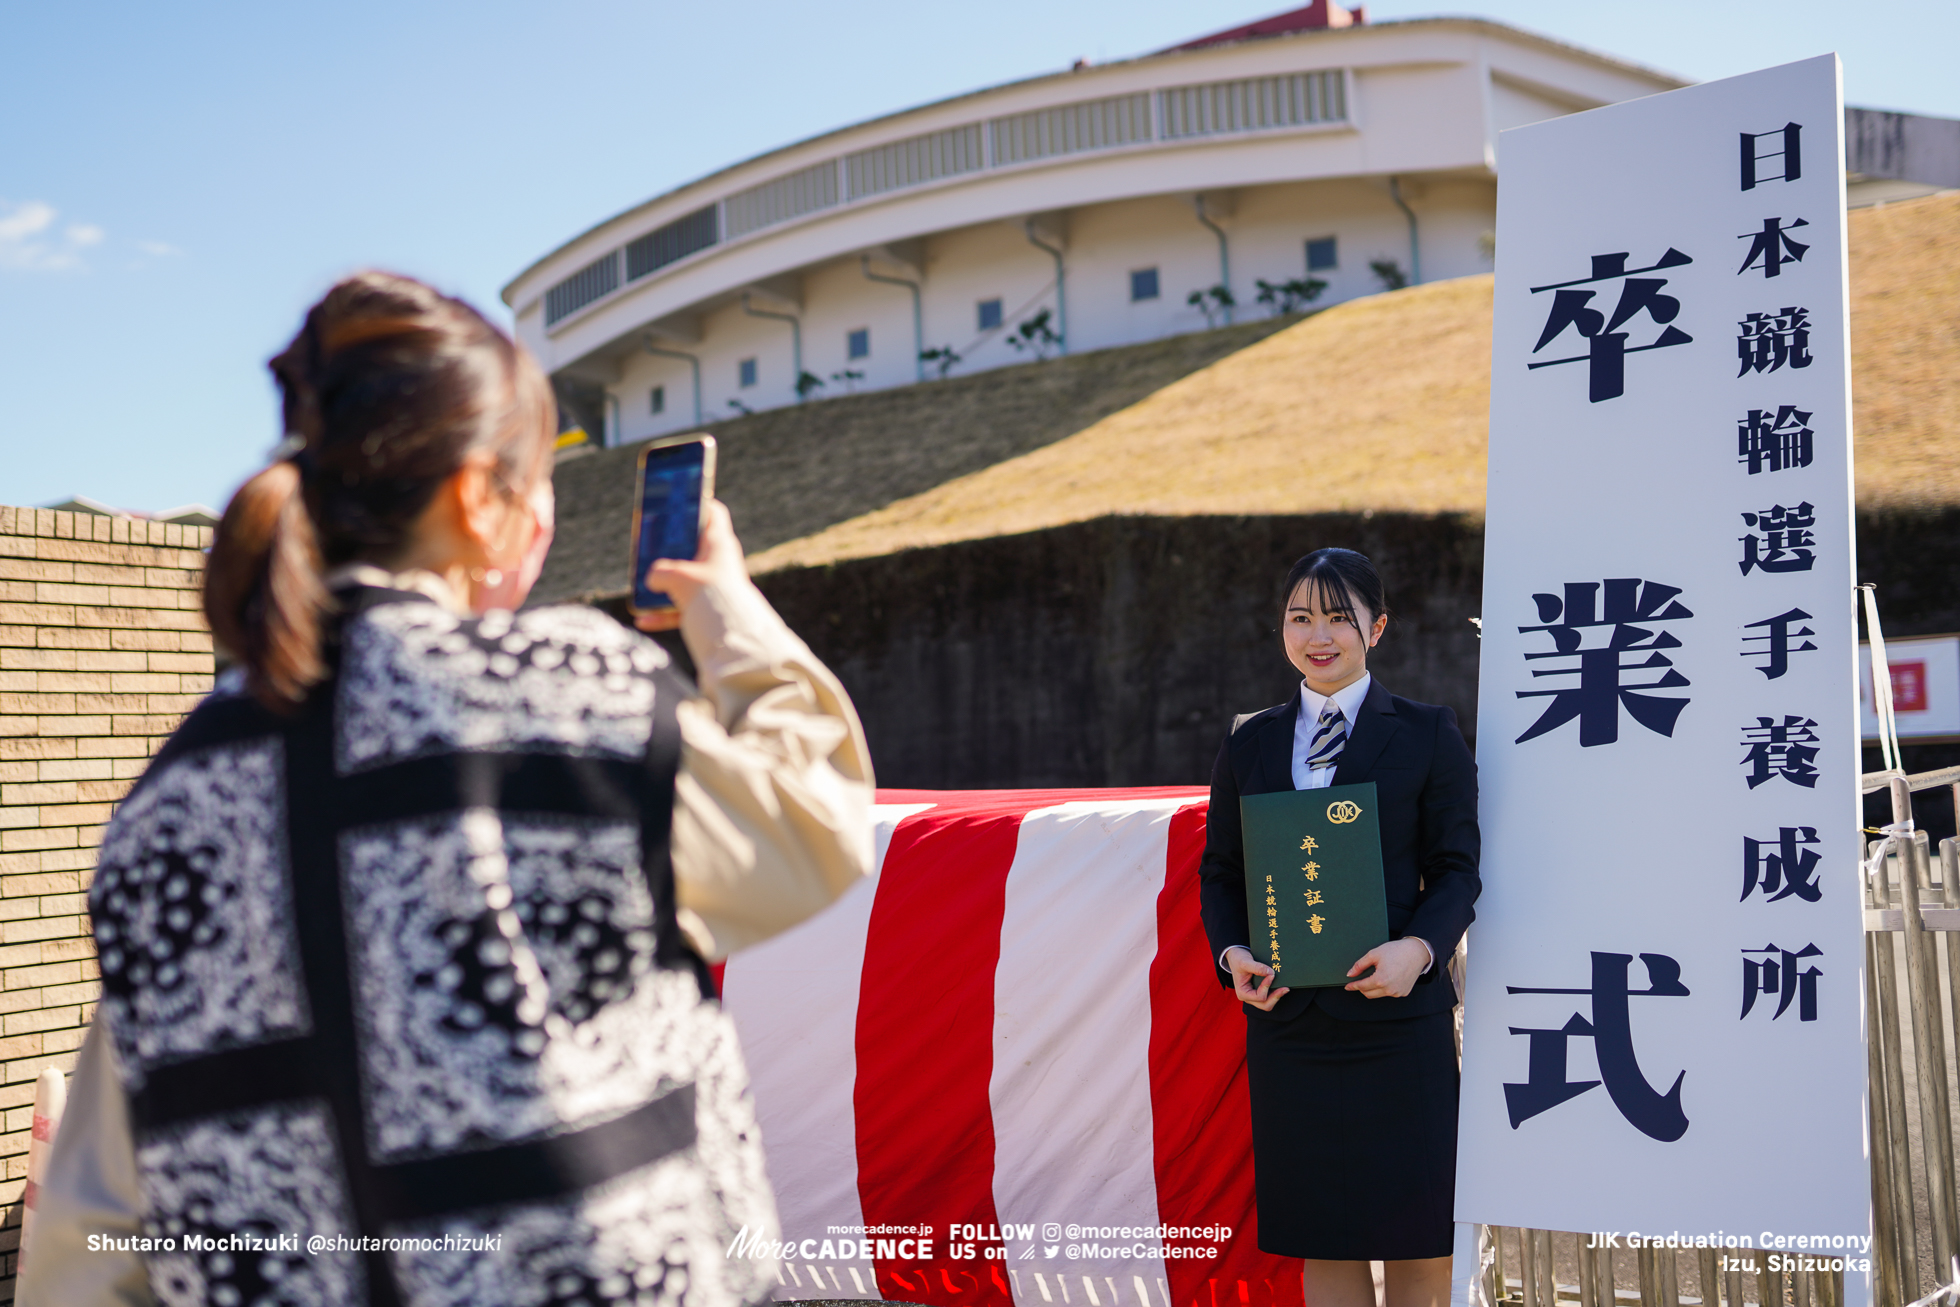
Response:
column 1353, row 1134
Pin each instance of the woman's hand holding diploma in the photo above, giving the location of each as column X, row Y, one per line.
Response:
column 1396, row 965
column 1250, row 978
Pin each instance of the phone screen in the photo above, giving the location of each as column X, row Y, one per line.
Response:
column 670, row 513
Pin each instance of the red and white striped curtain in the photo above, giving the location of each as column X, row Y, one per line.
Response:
column 1010, row 1042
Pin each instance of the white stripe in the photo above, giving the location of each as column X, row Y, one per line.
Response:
column 1071, row 1075
column 794, row 1002
column 1331, row 735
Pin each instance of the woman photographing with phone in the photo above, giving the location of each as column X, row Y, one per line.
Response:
column 405, row 932
column 1353, row 1088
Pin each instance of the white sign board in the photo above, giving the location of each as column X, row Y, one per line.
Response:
column 1925, row 688
column 1663, row 1019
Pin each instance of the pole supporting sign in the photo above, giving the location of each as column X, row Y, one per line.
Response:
column 1663, row 1024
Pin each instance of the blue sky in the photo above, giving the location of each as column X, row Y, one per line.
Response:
column 178, row 182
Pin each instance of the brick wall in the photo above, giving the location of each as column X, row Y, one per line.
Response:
column 103, row 649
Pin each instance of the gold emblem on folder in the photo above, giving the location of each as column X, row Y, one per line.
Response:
column 1343, row 812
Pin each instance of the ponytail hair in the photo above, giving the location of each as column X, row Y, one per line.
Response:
column 388, row 389
column 263, row 593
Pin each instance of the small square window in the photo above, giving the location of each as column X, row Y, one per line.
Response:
column 1143, row 284
column 857, row 345
column 746, row 369
column 1320, row 254
column 659, row 398
column 990, row 314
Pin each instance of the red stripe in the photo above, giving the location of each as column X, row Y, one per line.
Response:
column 32, row 1197
column 1198, row 1102
column 1028, row 800
column 925, row 1029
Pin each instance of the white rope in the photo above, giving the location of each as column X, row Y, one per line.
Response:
column 1888, row 725
column 1484, row 1261
column 1951, row 1292
column 1897, row 834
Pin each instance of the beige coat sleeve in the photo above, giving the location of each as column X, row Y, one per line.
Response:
column 772, row 807
column 89, row 1189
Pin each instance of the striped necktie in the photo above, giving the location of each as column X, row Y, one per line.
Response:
column 1329, row 738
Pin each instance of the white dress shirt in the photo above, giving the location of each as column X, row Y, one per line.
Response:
column 1348, row 699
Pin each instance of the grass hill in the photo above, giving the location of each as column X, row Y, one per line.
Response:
column 796, row 471
column 1386, row 400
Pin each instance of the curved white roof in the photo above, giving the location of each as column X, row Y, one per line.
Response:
column 1308, row 104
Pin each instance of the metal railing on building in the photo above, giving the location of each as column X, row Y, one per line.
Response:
column 594, row 281
column 1176, row 113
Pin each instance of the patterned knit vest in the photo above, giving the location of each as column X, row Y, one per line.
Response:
column 401, row 972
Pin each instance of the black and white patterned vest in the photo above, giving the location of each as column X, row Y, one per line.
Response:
column 404, row 966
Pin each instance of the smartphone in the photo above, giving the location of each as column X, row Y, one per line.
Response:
column 677, row 477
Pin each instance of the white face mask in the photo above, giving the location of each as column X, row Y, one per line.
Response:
column 513, row 585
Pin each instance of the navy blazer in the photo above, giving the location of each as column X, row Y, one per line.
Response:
column 1427, row 784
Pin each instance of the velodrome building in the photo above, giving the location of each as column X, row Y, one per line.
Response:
column 1062, row 573
column 1311, row 147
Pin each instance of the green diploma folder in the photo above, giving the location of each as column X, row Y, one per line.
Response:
column 1314, row 889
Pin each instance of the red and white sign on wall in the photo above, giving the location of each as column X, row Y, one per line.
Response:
column 1925, row 687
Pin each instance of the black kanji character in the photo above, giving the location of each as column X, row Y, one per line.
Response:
column 1784, row 871
column 1608, row 344
column 1600, row 693
column 1785, row 544
column 1778, row 975
column 1788, row 143
column 1774, row 441
column 1773, row 246
column 1769, row 341
column 1658, row 1116
column 1785, row 749
column 1778, row 634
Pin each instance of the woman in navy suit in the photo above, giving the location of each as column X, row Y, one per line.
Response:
column 1353, row 1087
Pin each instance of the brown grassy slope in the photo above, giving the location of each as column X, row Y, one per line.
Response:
column 794, row 471
column 1905, row 352
column 1386, row 400
column 1393, row 376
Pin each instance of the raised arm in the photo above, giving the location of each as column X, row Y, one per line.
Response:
column 772, row 807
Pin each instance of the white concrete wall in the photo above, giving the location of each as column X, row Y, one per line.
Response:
column 1426, row 96
column 1426, row 102
column 1267, row 227
column 1517, row 106
column 972, row 264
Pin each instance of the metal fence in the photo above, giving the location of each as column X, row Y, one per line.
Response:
column 1541, row 1268
column 1912, row 1024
